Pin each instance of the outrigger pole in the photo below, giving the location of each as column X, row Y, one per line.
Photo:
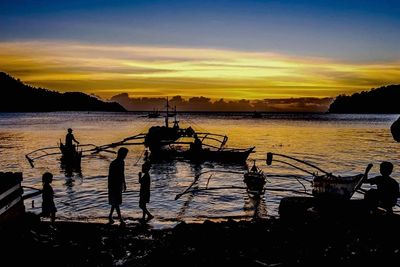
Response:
column 50, row 151
column 196, row 178
column 270, row 157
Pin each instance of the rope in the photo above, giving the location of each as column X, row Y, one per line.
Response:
column 139, row 157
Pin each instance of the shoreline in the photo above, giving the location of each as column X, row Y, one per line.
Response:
column 328, row 241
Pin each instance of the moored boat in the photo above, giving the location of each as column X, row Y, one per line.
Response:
column 255, row 181
column 176, row 143
column 70, row 157
column 154, row 114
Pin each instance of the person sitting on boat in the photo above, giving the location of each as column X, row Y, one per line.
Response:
column 197, row 145
column 69, row 138
column 387, row 191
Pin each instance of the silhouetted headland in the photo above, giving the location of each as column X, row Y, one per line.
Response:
column 380, row 100
column 19, row 97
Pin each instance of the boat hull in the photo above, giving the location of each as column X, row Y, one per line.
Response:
column 70, row 157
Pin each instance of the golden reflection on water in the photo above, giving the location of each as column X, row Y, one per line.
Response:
column 342, row 144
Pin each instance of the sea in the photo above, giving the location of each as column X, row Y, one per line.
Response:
column 342, row 144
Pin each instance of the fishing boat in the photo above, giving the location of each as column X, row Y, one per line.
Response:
column 71, row 157
column 154, row 114
column 325, row 185
column 167, row 142
column 255, row 181
column 180, row 150
column 176, row 143
column 253, row 178
column 330, row 186
column 331, row 194
column 172, row 142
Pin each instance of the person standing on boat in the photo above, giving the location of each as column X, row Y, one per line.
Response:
column 48, row 207
column 144, row 197
column 116, row 183
column 69, row 138
column 387, row 191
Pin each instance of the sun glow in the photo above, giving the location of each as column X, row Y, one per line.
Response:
column 107, row 70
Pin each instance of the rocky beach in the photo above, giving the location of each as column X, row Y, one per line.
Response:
column 308, row 241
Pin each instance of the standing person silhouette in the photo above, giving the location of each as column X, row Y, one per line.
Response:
column 144, row 197
column 48, row 207
column 116, row 184
column 387, row 191
column 69, row 138
column 197, row 145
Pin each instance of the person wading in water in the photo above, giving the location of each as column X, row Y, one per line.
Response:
column 116, row 184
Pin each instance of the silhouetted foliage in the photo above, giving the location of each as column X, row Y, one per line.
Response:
column 18, row 97
column 381, row 100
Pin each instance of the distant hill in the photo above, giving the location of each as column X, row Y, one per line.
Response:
column 385, row 99
column 19, row 97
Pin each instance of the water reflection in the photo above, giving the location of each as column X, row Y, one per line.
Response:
column 255, row 206
column 196, row 169
column 343, row 144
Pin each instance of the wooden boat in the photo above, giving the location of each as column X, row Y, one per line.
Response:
column 71, row 157
column 164, row 142
column 255, row 181
column 174, row 143
column 11, row 203
column 329, row 186
column 154, row 114
column 326, row 186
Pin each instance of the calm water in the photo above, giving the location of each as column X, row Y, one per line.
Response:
column 342, row 144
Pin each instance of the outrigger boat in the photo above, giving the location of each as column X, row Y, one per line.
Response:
column 175, row 143
column 154, row 114
column 70, row 158
column 168, row 143
column 164, row 143
column 255, row 181
column 325, row 185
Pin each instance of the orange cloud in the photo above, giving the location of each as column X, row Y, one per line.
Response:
column 107, row 70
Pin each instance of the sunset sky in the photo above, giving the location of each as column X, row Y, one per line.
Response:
column 219, row 49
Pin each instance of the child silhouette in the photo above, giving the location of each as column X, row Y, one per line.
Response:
column 48, row 207
column 387, row 191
